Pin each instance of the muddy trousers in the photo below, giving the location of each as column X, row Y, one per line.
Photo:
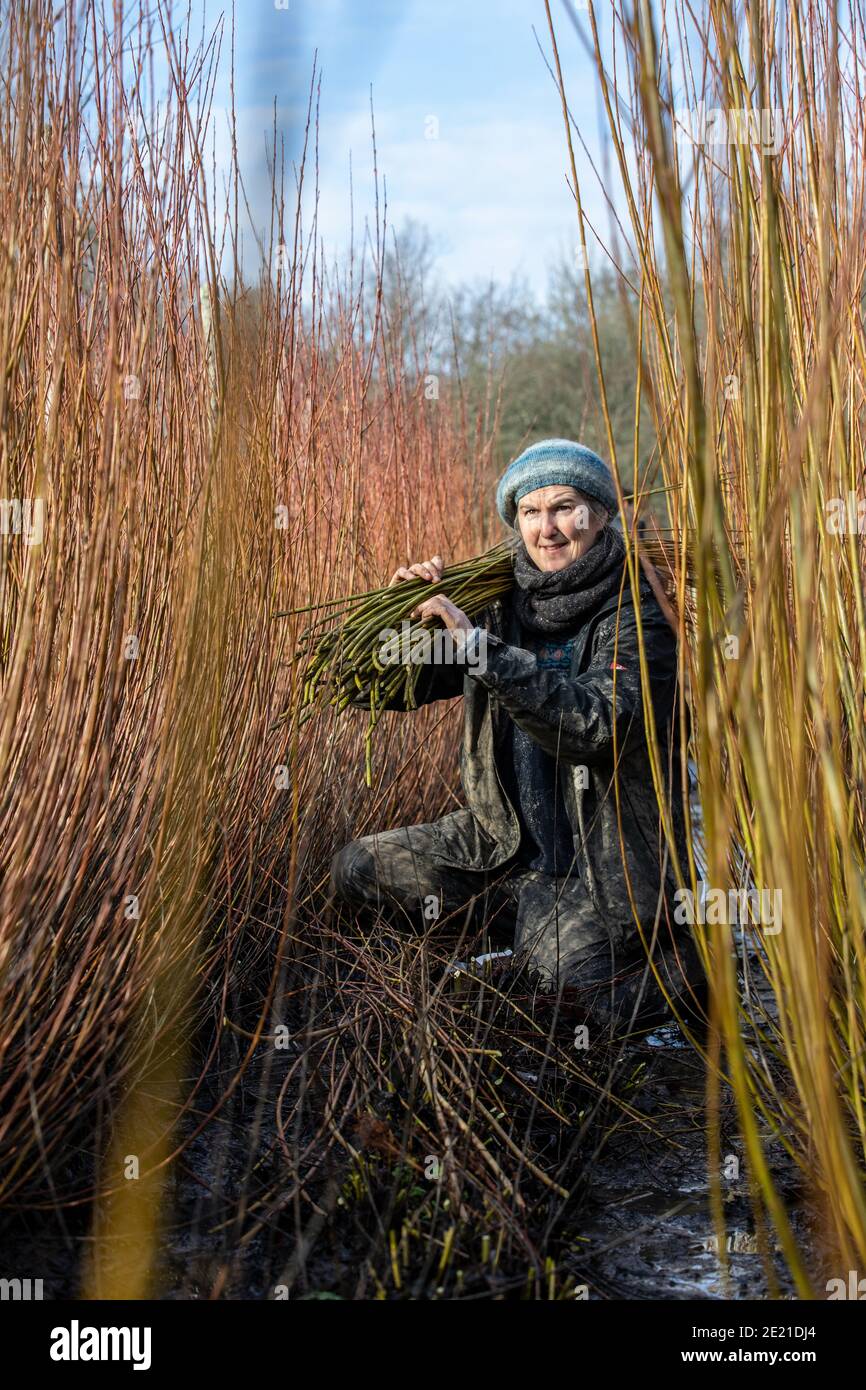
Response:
column 552, row 923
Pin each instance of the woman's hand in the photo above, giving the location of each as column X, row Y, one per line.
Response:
column 441, row 607
column 426, row 569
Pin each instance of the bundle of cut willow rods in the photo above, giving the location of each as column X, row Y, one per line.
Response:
column 341, row 651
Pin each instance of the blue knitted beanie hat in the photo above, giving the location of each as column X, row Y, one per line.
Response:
column 552, row 461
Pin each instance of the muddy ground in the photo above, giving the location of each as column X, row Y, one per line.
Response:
column 640, row 1229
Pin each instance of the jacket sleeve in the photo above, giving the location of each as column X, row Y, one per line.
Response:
column 577, row 717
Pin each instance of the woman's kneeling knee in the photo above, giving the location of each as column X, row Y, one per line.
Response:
column 347, row 880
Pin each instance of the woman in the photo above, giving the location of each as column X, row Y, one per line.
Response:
column 555, row 765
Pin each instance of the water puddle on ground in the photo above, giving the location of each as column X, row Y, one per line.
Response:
column 647, row 1228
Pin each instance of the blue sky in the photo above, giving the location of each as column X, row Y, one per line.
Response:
column 491, row 187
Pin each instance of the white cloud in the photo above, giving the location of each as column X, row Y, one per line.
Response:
column 493, row 189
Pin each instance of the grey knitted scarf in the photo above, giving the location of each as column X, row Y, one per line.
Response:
column 557, row 601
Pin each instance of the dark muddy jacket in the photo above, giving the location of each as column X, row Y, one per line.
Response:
column 577, row 718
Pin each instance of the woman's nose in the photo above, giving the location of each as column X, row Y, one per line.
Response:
column 548, row 525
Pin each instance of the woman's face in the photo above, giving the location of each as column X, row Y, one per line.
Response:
column 556, row 526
